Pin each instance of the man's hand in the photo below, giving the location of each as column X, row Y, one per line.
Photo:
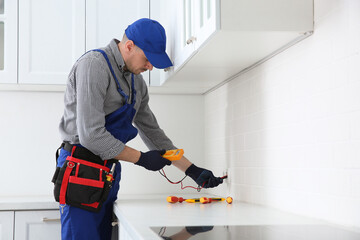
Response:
column 153, row 160
column 204, row 178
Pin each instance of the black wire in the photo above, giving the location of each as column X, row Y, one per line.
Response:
column 170, row 180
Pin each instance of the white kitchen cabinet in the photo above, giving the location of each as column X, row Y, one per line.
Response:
column 105, row 21
column 39, row 225
column 51, row 38
column 8, row 41
column 229, row 36
column 165, row 13
column 6, row 225
column 184, row 42
column 206, row 20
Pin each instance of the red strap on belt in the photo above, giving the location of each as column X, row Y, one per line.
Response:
column 65, row 181
column 87, row 163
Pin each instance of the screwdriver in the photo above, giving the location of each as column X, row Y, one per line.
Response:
column 209, row 200
column 109, row 176
column 173, row 199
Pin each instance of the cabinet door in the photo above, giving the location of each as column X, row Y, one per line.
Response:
column 165, row 12
column 8, row 41
column 51, row 38
column 207, row 20
column 6, row 224
column 108, row 19
column 39, row 225
column 185, row 33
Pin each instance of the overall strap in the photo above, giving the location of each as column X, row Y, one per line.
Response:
column 133, row 96
column 113, row 73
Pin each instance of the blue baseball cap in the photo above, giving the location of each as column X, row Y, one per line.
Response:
column 150, row 36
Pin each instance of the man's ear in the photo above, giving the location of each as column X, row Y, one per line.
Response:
column 129, row 45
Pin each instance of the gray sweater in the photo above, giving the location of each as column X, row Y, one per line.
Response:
column 91, row 94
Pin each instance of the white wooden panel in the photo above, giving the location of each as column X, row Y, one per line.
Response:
column 185, row 34
column 6, row 225
column 164, row 11
column 8, row 73
column 108, row 19
column 39, row 225
column 207, row 20
column 51, row 38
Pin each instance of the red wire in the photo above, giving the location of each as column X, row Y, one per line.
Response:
column 181, row 182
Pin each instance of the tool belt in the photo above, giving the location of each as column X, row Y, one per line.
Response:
column 83, row 181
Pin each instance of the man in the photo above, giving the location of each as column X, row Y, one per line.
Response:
column 105, row 94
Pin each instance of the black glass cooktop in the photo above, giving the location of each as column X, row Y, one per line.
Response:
column 262, row 232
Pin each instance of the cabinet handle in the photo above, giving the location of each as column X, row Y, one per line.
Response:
column 167, row 69
column 191, row 40
column 45, row 219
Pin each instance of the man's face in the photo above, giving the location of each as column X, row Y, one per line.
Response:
column 137, row 62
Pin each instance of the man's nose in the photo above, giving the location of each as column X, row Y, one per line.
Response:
column 149, row 66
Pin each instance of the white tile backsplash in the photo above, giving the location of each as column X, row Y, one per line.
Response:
column 289, row 130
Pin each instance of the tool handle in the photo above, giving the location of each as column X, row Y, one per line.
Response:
column 173, row 199
column 174, row 154
column 192, row 200
column 217, row 199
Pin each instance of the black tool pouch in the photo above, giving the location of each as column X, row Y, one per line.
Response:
column 83, row 183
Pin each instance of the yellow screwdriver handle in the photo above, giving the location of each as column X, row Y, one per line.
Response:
column 175, row 154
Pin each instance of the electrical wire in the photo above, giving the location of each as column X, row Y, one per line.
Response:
column 198, row 188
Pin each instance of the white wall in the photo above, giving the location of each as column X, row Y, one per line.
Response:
column 289, row 130
column 29, row 137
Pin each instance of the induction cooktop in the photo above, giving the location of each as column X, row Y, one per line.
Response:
column 261, row 232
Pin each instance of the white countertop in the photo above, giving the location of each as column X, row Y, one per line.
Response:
column 28, row 203
column 138, row 213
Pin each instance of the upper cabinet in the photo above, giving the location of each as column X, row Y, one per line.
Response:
column 215, row 40
column 51, row 38
column 208, row 41
column 54, row 34
column 105, row 21
column 8, row 41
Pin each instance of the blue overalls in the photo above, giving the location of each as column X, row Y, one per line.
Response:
column 80, row 224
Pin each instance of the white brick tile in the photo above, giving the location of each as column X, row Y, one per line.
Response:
column 320, row 155
column 355, row 182
column 236, row 143
column 332, row 129
column 348, row 98
column 299, row 87
column 252, row 176
column 276, row 96
column 252, row 140
column 320, row 79
column 319, row 106
column 347, row 155
column 354, row 63
column 339, row 70
column 239, row 109
column 309, row 183
column 355, row 125
column 322, row 206
column 347, row 211
column 254, row 104
column 242, row 90
column 244, row 156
